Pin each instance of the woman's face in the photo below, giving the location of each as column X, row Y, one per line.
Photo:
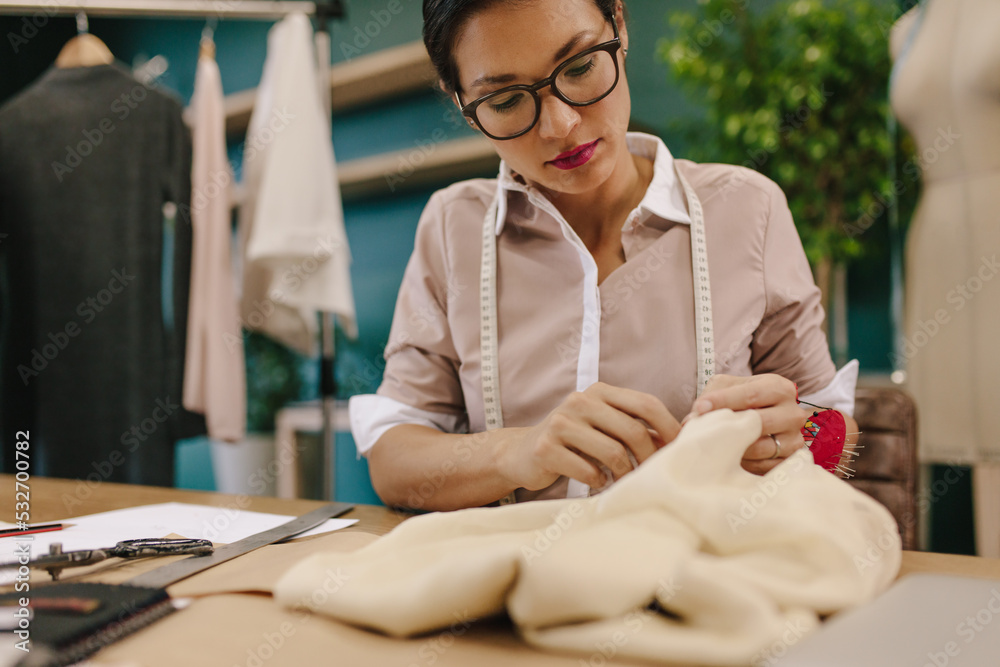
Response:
column 570, row 150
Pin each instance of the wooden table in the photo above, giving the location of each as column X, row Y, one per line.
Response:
column 53, row 499
column 198, row 634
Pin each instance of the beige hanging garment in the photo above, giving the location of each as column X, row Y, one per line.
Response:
column 214, row 369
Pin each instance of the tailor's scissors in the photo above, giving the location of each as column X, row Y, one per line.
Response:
column 57, row 559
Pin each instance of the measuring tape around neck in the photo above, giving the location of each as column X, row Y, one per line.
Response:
column 704, row 333
column 488, row 328
column 488, row 344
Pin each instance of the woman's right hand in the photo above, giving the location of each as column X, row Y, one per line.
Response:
column 599, row 425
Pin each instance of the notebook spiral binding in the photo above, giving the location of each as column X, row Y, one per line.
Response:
column 45, row 656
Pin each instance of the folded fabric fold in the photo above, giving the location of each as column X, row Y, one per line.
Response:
column 687, row 559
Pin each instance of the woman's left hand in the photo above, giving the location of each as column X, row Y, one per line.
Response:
column 774, row 399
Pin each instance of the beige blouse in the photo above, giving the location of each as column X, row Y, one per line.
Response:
column 559, row 331
column 214, row 366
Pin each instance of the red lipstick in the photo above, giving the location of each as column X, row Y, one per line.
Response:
column 576, row 157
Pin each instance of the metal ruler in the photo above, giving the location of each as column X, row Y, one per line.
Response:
column 166, row 575
column 488, row 335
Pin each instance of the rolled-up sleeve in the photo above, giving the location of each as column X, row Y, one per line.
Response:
column 420, row 384
column 790, row 340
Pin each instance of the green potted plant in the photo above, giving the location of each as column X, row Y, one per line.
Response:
column 797, row 91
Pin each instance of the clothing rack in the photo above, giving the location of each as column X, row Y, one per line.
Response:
column 265, row 10
column 244, row 9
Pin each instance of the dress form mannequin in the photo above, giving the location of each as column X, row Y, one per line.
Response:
column 946, row 91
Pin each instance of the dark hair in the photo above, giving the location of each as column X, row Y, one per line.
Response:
column 444, row 18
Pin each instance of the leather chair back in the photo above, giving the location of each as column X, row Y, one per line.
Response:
column 886, row 468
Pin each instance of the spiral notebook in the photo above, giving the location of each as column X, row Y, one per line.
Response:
column 71, row 621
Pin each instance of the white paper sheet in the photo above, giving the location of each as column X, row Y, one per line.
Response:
column 98, row 531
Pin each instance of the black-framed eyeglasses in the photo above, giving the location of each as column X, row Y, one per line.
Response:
column 583, row 79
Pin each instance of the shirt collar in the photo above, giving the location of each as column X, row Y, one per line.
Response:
column 664, row 198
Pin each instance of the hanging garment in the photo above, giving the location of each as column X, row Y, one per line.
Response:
column 215, row 367
column 95, row 279
column 689, row 559
column 295, row 260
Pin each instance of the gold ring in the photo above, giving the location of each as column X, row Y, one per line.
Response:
column 777, row 447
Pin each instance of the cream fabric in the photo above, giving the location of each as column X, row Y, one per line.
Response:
column 739, row 560
column 214, row 365
column 296, row 258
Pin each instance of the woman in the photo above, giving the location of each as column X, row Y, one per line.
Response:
column 573, row 273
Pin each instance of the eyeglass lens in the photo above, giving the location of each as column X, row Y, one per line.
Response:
column 581, row 81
